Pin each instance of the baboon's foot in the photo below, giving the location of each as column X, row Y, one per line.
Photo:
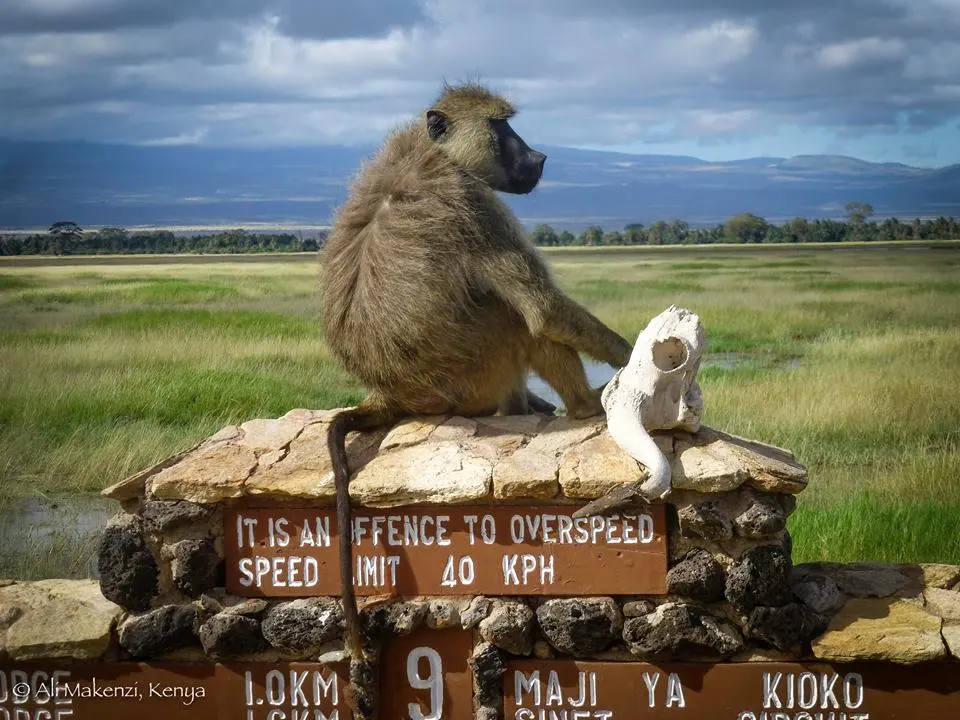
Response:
column 586, row 407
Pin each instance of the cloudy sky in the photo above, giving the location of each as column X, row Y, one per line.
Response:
column 720, row 79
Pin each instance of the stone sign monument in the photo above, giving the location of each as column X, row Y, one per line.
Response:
column 519, row 568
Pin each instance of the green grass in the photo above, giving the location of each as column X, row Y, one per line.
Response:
column 847, row 357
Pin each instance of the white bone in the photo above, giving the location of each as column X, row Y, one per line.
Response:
column 657, row 390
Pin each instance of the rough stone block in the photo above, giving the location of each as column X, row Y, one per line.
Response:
column 677, row 629
column 440, row 472
column 891, row 629
column 303, row 625
column 785, row 627
column 225, row 636
column 509, row 626
column 488, row 665
column 760, row 577
column 705, row 520
column 400, row 618
column 159, row 631
column 820, row 593
column 48, row 619
column 762, row 518
column 580, row 626
column 166, row 515
column 128, row 571
column 196, row 566
column 477, row 611
column 442, row 614
column 526, row 474
column 638, row 608
column 698, row 576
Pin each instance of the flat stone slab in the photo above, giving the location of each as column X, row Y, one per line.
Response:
column 890, row 629
column 441, row 459
column 48, row 619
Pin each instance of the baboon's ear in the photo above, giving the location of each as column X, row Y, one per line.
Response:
column 437, row 124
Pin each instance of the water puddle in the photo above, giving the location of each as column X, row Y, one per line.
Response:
column 52, row 537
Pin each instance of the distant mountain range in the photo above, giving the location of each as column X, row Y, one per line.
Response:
column 128, row 186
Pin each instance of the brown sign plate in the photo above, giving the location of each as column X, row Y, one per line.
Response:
column 119, row 691
column 431, row 550
column 426, row 675
column 568, row 690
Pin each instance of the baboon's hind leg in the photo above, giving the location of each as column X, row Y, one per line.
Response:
column 516, row 403
column 561, row 367
column 538, row 405
column 523, row 402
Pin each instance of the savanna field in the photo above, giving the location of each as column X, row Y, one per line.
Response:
column 848, row 356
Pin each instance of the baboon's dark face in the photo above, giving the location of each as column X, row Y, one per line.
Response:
column 490, row 149
column 522, row 165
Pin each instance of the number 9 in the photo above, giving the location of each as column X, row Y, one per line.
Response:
column 433, row 682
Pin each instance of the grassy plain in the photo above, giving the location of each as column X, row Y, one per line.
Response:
column 847, row 356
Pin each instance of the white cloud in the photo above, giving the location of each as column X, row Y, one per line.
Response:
column 269, row 72
column 186, row 138
column 863, row 51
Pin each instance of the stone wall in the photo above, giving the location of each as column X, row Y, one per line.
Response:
column 732, row 592
column 904, row 614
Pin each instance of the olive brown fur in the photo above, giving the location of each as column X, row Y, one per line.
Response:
column 434, row 298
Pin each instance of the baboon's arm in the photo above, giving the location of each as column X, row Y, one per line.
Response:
column 524, row 283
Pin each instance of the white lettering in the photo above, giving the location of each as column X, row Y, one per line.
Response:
column 770, row 697
column 246, row 572
column 675, row 691
column 651, row 683
column 546, row 570
column 510, row 576
column 853, row 690
column 471, row 521
column 442, row 538
column 488, row 530
column 524, row 684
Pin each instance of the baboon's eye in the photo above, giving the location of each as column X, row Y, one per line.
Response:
column 437, row 124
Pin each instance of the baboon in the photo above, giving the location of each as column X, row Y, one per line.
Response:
column 434, row 298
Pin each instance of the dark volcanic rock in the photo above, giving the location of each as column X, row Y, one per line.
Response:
column 400, row 618
column 786, row 627
column 677, row 629
column 165, row 515
column 509, row 626
column 704, row 520
column 763, row 518
column 303, row 625
column 760, row 577
column 698, row 576
column 159, row 631
column 364, row 692
column 580, row 626
column 820, row 593
column 224, row 636
column 638, row 608
column 488, row 667
column 196, row 566
column 127, row 568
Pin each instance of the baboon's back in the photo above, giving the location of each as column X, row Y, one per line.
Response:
column 400, row 309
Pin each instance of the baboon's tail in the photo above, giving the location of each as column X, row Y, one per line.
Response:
column 365, row 417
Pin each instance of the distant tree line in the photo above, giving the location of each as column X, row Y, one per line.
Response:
column 750, row 228
column 66, row 238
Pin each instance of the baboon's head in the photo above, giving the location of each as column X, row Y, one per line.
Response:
column 470, row 124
